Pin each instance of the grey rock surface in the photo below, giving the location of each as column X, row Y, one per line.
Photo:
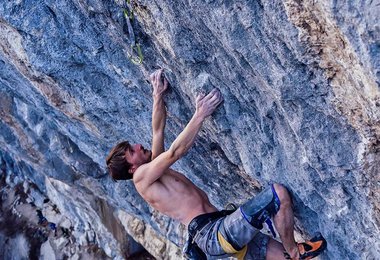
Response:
column 300, row 80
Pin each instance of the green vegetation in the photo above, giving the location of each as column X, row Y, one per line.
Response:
column 134, row 54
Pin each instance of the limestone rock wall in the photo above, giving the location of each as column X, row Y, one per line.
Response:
column 300, row 80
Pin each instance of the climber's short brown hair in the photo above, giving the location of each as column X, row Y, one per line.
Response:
column 117, row 164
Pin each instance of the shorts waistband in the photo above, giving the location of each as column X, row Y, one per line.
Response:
column 202, row 220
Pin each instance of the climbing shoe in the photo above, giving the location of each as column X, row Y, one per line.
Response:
column 310, row 249
column 313, row 247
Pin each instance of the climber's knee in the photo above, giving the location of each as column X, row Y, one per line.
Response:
column 262, row 207
column 283, row 195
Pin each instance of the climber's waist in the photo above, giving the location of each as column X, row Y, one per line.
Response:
column 202, row 220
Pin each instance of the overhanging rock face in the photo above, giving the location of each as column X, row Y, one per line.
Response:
column 300, row 81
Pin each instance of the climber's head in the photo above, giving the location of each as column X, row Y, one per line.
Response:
column 124, row 159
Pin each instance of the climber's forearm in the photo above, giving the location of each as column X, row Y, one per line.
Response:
column 186, row 138
column 158, row 125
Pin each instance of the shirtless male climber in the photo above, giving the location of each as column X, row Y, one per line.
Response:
column 213, row 234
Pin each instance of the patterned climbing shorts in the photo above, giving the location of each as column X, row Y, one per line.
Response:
column 240, row 236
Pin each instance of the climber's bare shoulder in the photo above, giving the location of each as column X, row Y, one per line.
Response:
column 173, row 194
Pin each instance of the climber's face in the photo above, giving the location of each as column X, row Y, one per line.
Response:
column 137, row 155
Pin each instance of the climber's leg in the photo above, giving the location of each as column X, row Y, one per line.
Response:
column 238, row 229
column 275, row 250
column 244, row 224
column 284, row 221
column 261, row 208
column 273, row 202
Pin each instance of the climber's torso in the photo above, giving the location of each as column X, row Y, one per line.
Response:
column 177, row 197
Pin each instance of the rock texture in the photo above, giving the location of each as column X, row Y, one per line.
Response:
column 300, row 81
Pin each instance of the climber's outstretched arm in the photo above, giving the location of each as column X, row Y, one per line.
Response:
column 160, row 84
column 149, row 173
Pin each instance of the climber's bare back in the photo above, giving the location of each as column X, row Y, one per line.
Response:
column 175, row 196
